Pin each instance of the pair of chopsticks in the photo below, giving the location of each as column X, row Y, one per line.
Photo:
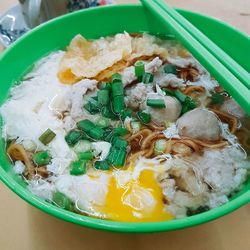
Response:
column 234, row 78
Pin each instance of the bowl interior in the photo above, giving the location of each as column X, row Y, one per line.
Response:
column 19, row 58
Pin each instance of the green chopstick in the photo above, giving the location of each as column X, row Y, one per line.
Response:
column 223, row 75
column 221, row 55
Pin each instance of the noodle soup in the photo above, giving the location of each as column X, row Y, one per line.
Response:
column 126, row 128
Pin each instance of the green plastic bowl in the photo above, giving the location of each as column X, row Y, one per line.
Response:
column 93, row 23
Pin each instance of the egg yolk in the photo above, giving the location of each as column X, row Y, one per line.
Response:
column 139, row 200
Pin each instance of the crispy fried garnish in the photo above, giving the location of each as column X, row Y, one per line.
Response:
column 17, row 153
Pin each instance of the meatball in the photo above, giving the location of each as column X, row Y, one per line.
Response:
column 233, row 108
column 168, row 114
column 199, row 124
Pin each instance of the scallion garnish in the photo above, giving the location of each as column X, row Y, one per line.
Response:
column 121, row 131
column 73, row 137
column 170, row 69
column 82, row 146
column 147, row 78
column 96, row 133
column 47, row 137
column 108, row 135
column 103, row 96
column 106, row 112
column 93, row 106
column 88, row 155
column 126, row 113
column 41, row 158
column 62, row 201
column 217, row 98
column 117, row 156
column 139, row 69
column 85, row 125
column 120, row 157
column 102, row 165
column 144, row 117
column 120, row 143
column 180, row 96
column 102, row 122
column 78, row 167
column 156, row 103
column 187, row 102
column 117, row 89
column 169, row 92
column 91, row 129
column 188, row 105
column 105, row 85
column 116, row 77
column 118, row 104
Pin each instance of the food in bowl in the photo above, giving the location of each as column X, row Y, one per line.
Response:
column 126, row 128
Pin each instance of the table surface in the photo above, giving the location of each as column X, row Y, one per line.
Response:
column 26, row 228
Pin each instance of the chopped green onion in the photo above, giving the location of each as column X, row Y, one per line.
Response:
column 102, row 165
column 169, row 92
column 107, row 112
column 73, row 137
column 108, row 135
column 91, row 129
column 96, row 133
column 139, row 69
column 119, row 143
column 120, row 157
column 201, row 209
column 113, row 138
column 188, row 105
column 118, row 104
column 180, row 96
column 126, row 113
column 92, row 106
column 156, row 103
column 78, row 167
column 88, row 155
column 121, row 131
column 41, row 158
column 111, row 156
column 102, row 122
column 187, row 102
column 85, row 125
column 117, row 89
column 184, row 109
column 144, row 117
column 92, row 110
column 117, row 156
column 170, row 69
column 103, row 96
column 82, row 146
column 160, row 146
column 136, row 126
column 62, row 201
column 47, row 136
column 105, row 85
column 147, row 78
column 191, row 103
column 116, row 77
column 217, row 98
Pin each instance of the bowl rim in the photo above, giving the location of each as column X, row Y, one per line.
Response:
column 130, row 227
